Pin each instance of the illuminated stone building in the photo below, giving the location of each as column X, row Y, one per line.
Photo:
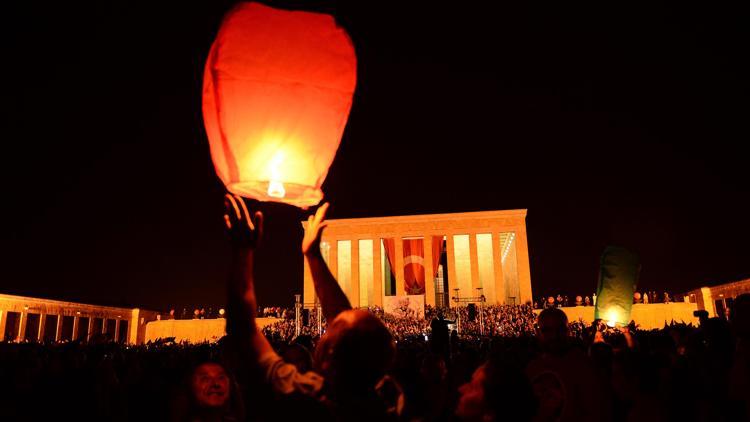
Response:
column 44, row 320
column 430, row 255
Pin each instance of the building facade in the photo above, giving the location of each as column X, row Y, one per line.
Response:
column 439, row 256
column 43, row 320
column 717, row 300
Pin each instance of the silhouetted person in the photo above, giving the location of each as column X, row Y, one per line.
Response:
column 439, row 336
column 739, row 378
column 351, row 359
column 498, row 391
column 565, row 372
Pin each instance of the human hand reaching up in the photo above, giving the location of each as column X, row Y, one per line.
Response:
column 332, row 298
column 314, row 231
column 244, row 232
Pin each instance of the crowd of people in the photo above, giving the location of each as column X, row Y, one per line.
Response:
column 211, row 312
column 370, row 366
column 582, row 372
column 208, row 312
column 561, row 301
column 493, row 320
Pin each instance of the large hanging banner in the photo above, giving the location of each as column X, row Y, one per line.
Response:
column 414, row 266
column 618, row 276
column 414, row 270
column 437, row 251
column 411, row 306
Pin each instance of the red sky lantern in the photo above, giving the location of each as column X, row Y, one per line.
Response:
column 277, row 91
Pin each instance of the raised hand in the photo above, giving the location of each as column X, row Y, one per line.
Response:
column 314, row 231
column 244, row 232
column 332, row 298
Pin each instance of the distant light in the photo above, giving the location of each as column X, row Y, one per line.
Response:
column 221, row 311
column 612, row 317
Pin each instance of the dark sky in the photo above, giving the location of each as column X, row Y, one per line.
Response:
column 612, row 124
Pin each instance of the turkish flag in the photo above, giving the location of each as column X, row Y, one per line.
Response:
column 414, row 266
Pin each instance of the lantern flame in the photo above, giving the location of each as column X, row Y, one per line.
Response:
column 276, row 189
column 612, row 316
column 275, row 186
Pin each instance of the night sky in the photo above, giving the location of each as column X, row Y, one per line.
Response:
column 612, row 124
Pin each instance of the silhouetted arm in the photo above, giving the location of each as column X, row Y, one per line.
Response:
column 332, row 298
column 242, row 329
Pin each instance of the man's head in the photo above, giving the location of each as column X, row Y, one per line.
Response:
column 210, row 386
column 472, row 401
column 552, row 330
column 355, row 353
column 299, row 356
column 497, row 390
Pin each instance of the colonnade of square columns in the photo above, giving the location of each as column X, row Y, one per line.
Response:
column 48, row 318
column 486, row 250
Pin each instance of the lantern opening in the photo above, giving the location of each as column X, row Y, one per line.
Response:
column 302, row 196
column 276, row 189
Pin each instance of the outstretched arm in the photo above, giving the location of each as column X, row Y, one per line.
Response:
column 245, row 233
column 243, row 335
column 332, row 298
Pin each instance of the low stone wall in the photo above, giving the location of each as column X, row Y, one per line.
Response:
column 193, row 330
column 648, row 317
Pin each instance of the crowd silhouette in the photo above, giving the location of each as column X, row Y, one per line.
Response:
column 505, row 363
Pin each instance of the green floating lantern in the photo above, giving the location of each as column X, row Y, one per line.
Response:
column 618, row 276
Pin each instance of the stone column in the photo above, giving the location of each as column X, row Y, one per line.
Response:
column 377, row 273
column 308, row 289
column 117, row 330
column 22, row 326
column 333, row 257
column 42, row 327
column 522, row 260
column 474, row 263
column 354, row 291
column 90, row 329
column 134, row 326
column 58, row 328
column 497, row 257
column 451, row 262
column 76, row 321
column 399, row 270
column 708, row 302
column 3, row 323
column 429, row 279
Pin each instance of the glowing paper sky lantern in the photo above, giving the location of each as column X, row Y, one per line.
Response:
column 618, row 276
column 277, row 91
